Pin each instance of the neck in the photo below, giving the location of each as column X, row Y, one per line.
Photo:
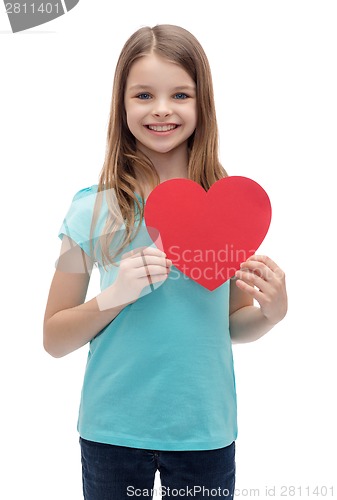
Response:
column 169, row 165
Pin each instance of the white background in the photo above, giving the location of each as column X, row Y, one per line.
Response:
column 275, row 79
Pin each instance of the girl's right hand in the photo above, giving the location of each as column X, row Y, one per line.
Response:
column 138, row 268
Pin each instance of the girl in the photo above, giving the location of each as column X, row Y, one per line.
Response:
column 159, row 387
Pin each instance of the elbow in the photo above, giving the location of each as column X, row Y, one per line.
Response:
column 53, row 353
column 50, row 349
column 50, row 346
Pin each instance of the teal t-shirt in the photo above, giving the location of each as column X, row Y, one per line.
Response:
column 160, row 375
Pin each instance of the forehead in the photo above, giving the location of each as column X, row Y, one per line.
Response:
column 153, row 70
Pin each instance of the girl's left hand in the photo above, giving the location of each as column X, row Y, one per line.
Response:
column 264, row 281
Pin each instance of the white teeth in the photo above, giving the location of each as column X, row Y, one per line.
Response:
column 164, row 128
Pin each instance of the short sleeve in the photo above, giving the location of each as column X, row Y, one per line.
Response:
column 77, row 222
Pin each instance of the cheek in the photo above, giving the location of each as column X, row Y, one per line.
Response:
column 127, row 119
column 133, row 114
column 130, row 116
column 193, row 114
column 194, row 118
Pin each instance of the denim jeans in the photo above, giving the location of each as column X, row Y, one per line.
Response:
column 111, row 472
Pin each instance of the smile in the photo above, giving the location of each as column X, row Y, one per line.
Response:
column 162, row 128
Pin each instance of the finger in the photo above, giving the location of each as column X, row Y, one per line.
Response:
column 154, row 279
column 256, row 267
column 152, row 251
column 146, row 268
column 265, row 260
column 153, row 270
column 273, row 271
column 136, row 252
column 255, row 293
column 147, row 261
column 251, row 279
column 132, row 253
column 153, row 274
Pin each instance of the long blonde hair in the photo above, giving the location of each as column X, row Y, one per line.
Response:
column 122, row 160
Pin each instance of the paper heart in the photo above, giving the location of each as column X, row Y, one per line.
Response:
column 207, row 235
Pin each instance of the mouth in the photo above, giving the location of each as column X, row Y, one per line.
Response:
column 162, row 128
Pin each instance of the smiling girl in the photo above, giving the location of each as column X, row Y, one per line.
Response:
column 159, row 387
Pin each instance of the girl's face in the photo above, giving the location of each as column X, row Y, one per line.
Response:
column 160, row 105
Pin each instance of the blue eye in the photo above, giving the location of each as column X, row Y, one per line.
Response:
column 181, row 95
column 143, row 96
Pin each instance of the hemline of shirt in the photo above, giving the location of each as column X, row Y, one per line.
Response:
column 159, row 445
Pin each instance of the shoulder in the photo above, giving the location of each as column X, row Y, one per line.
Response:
column 82, row 206
column 84, row 199
column 77, row 221
column 82, row 193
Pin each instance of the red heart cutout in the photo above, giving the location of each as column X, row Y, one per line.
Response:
column 207, row 235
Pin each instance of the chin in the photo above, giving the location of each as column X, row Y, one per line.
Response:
column 164, row 150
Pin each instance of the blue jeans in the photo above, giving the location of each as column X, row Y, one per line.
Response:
column 111, row 472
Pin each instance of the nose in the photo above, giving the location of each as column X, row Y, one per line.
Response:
column 161, row 108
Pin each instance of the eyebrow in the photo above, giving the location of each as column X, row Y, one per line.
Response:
column 149, row 87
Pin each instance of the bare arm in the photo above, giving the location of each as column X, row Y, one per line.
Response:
column 69, row 322
column 260, row 279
